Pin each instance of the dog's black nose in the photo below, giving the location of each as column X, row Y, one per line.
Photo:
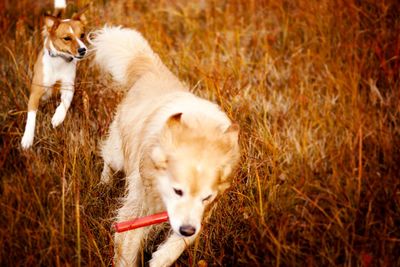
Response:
column 82, row 51
column 187, row 230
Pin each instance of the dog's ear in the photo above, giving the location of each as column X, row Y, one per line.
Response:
column 233, row 129
column 233, row 133
column 50, row 21
column 223, row 186
column 82, row 18
column 172, row 129
column 174, row 126
column 174, row 121
column 81, row 15
column 223, row 177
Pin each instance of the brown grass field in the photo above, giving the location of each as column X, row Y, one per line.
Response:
column 315, row 86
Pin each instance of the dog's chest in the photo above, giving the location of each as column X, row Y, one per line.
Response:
column 57, row 69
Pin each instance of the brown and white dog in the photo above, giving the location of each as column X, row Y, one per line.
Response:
column 176, row 149
column 63, row 47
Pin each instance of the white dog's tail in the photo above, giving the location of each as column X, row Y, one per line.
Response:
column 59, row 7
column 60, row 4
column 124, row 53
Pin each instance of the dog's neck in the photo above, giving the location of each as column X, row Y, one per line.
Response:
column 53, row 54
column 68, row 59
column 50, row 50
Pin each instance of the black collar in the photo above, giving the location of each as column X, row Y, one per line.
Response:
column 68, row 59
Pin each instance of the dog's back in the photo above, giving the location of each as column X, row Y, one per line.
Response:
column 153, row 92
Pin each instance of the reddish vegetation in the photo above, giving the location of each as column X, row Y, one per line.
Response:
column 314, row 86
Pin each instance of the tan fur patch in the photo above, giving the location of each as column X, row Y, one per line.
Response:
column 141, row 64
column 64, row 34
column 60, row 34
column 201, row 153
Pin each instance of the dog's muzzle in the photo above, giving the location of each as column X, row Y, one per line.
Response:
column 82, row 51
column 187, row 230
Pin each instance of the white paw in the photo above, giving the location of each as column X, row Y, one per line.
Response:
column 160, row 259
column 58, row 117
column 27, row 141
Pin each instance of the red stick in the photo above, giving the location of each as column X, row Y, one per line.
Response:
column 140, row 222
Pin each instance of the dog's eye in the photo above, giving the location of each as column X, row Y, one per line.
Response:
column 82, row 35
column 207, row 198
column 67, row 38
column 178, row 192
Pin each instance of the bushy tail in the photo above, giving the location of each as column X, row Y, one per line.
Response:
column 124, row 53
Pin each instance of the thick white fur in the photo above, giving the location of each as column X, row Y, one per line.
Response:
column 117, row 48
column 29, row 133
column 155, row 95
column 60, row 4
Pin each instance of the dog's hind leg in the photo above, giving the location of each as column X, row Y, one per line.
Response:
column 168, row 252
column 111, row 151
column 33, row 104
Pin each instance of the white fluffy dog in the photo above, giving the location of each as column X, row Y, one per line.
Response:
column 176, row 149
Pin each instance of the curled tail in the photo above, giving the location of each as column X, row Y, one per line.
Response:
column 124, row 53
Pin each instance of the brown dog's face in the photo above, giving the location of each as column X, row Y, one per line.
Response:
column 65, row 37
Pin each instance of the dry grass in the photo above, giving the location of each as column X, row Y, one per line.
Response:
column 315, row 88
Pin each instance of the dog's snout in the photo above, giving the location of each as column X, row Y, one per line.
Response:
column 82, row 51
column 187, row 230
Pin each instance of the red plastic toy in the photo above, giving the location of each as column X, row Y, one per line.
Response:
column 140, row 222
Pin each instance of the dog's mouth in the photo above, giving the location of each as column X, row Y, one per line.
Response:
column 69, row 56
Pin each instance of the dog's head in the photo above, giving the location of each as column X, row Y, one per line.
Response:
column 64, row 37
column 192, row 166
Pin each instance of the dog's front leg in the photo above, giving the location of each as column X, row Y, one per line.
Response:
column 67, row 93
column 168, row 252
column 33, row 104
column 127, row 247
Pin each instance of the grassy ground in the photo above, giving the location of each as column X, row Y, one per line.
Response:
column 315, row 86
